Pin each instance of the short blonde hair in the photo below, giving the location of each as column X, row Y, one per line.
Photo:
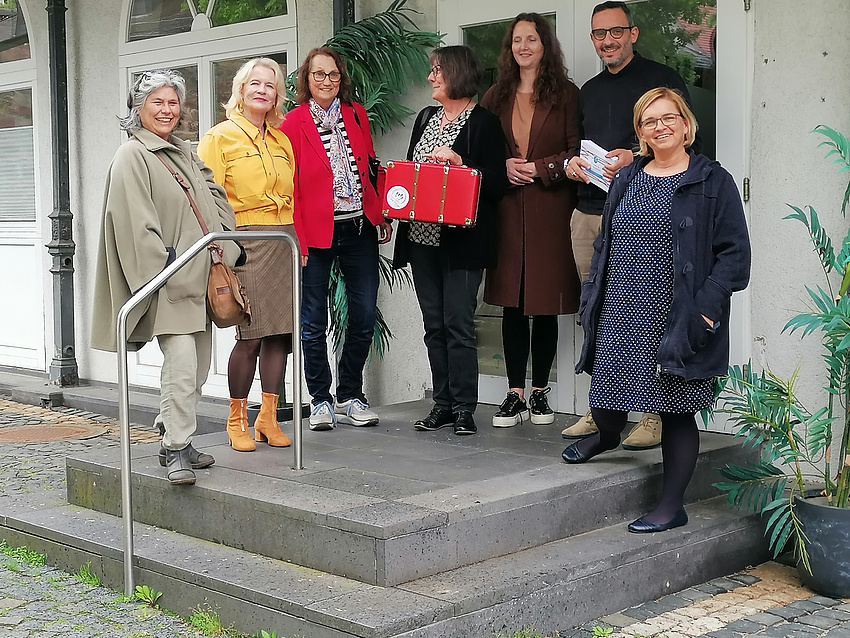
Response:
column 235, row 104
column 662, row 92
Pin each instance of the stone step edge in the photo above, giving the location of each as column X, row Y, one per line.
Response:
column 434, row 600
column 526, row 496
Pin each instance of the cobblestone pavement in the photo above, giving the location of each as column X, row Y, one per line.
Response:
column 765, row 601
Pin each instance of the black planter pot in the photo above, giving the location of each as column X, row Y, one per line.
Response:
column 827, row 529
column 284, row 412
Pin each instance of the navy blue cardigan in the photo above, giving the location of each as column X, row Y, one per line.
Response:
column 711, row 260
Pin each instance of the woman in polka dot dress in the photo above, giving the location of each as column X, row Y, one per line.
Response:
column 672, row 250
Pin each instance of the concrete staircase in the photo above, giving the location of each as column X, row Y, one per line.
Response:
column 390, row 532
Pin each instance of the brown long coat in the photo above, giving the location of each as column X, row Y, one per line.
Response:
column 533, row 244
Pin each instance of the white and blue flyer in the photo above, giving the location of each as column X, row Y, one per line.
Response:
column 594, row 155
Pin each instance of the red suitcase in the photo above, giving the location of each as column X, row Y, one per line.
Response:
column 429, row 192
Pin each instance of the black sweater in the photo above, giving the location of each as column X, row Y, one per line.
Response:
column 481, row 145
column 607, row 108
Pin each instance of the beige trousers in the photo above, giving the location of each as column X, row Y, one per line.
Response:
column 583, row 229
column 184, row 370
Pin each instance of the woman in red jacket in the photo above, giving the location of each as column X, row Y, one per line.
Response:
column 337, row 211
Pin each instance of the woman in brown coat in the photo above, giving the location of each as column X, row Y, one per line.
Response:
column 535, row 275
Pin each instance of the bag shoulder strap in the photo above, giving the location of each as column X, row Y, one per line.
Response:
column 183, row 185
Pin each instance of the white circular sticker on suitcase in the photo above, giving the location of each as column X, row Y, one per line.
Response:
column 398, row 197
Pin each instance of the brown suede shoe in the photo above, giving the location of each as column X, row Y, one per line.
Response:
column 581, row 429
column 645, row 435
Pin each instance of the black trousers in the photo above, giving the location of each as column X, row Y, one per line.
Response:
column 543, row 338
column 447, row 298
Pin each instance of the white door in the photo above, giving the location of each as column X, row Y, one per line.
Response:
column 23, row 225
column 716, row 59
column 207, row 42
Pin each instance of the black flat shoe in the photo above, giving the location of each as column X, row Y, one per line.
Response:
column 199, row 460
column 573, row 455
column 464, row 423
column 439, row 418
column 640, row 526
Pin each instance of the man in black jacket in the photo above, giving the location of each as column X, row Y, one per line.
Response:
column 607, row 104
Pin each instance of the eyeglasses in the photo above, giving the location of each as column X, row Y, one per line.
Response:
column 436, row 70
column 616, row 32
column 668, row 119
column 333, row 76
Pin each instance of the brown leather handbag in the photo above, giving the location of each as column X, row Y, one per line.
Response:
column 227, row 303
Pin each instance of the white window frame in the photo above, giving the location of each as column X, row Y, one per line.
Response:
column 17, row 75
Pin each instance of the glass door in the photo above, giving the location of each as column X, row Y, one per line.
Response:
column 482, row 27
column 708, row 42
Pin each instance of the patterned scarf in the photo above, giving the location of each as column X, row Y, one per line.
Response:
column 345, row 185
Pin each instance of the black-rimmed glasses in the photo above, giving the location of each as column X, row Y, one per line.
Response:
column 436, row 70
column 616, row 32
column 333, row 76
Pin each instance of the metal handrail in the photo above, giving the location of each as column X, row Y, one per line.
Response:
column 123, row 387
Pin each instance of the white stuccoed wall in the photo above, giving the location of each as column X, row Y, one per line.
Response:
column 801, row 79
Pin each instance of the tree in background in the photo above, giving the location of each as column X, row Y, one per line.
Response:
column 662, row 36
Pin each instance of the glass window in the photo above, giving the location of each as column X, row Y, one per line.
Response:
column 188, row 127
column 486, row 41
column 223, row 72
column 17, row 165
column 683, row 35
column 233, row 11
column 14, row 41
column 152, row 18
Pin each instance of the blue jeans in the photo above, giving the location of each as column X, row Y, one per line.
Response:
column 355, row 243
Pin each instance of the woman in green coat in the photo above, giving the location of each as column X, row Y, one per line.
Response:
column 147, row 222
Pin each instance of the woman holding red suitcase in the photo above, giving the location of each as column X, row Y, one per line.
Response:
column 448, row 263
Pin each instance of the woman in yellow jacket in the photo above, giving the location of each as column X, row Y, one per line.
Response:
column 254, row 163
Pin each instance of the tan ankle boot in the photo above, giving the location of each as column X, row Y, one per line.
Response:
column 266, row 427
column 237, row 426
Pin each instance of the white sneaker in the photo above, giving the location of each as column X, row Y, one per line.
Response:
column 355, row 412
column 322, row 417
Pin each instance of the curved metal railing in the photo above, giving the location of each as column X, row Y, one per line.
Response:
column 123, row 387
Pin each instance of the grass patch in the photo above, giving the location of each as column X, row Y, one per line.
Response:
column 12, row 566
column 23, row 554
column 87, row 576
column 205, row 619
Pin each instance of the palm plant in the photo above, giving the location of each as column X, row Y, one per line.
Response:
column 796, row 442
column 383, row 54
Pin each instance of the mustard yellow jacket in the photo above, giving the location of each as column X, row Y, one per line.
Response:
column 255, row 173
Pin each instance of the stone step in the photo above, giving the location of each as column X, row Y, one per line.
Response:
column 384, row 506
column 551, row 587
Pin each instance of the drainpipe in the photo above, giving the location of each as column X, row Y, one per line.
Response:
column 63, row 367
column 343, row 13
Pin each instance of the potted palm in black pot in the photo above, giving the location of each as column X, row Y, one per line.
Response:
column 801, row 482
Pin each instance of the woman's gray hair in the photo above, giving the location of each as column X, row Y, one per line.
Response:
column 145, row 84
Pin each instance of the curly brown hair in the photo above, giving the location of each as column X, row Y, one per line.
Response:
column 302, row 84
column 552, row 82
